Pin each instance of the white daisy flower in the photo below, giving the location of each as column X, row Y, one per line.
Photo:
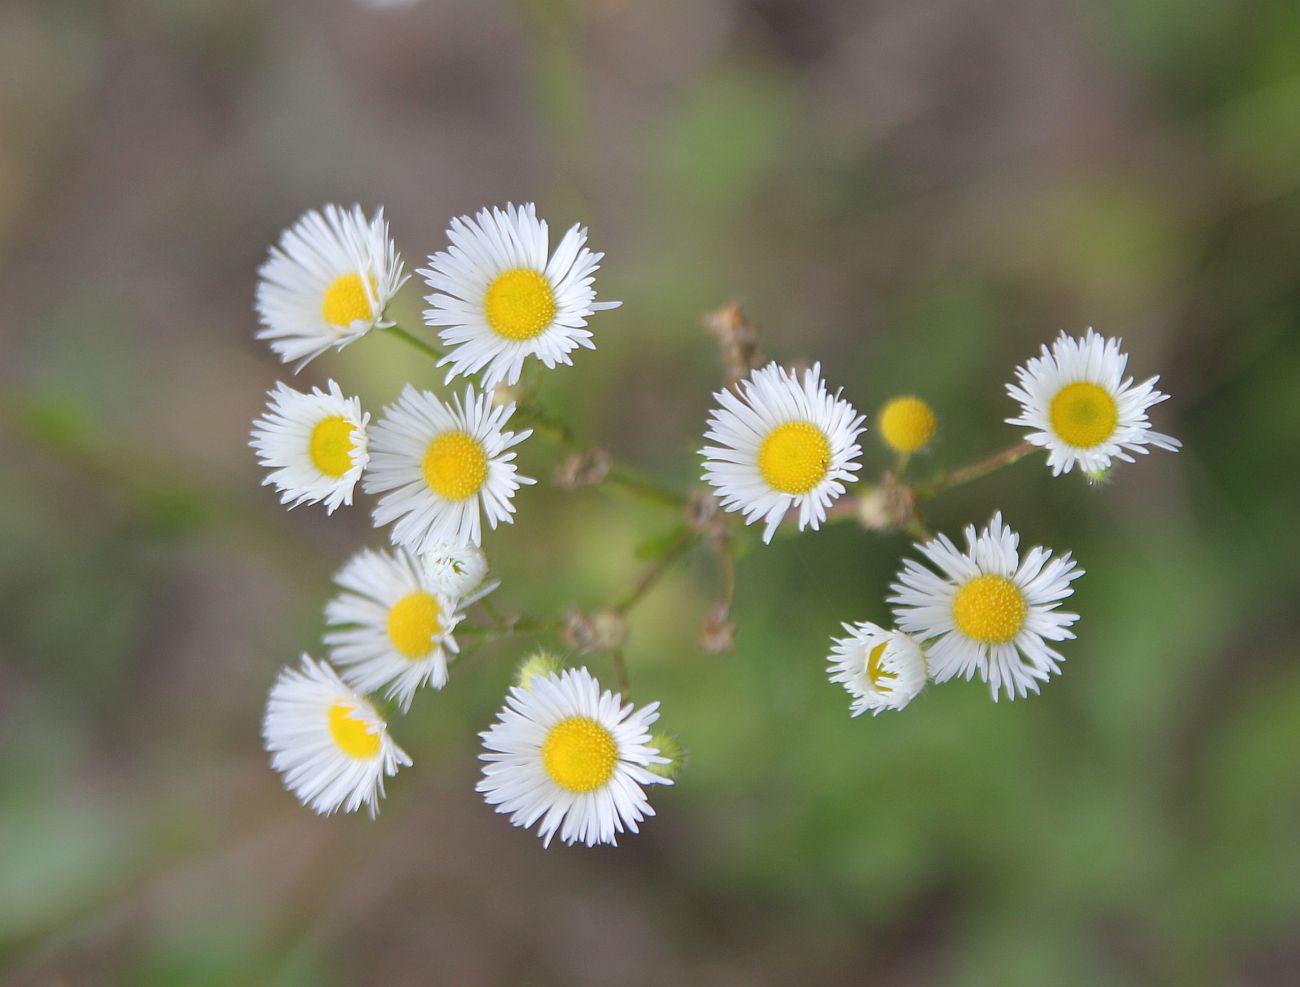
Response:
column 441, row 467
column 986, row 609
column 502, row 299
column 781, row 444
column 390, row 627
column 1083, row 408
column 329, row 743
column 327, row 283
column 574, row 757
column 459, row 570
column 315, row 445
column 881, row 669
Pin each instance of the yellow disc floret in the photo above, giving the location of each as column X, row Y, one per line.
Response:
column 519, row 304
column 907, row 424
column 351, row 733
column 579, row 754
column 331, row 446
column 794, row 457
column 989, row 609
column 1083, row 414
column 346, row 301
column 413, row 624
column 879, row 677
column 455, row 465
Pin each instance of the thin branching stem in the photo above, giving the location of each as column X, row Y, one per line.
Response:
column 980, row 468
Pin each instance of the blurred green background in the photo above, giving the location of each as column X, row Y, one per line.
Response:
column 917, row 193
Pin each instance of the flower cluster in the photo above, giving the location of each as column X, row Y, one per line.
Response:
column 785, row 447
column 564, row 755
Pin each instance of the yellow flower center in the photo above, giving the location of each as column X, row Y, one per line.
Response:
column 413, row 624
column 519, row 304
column 875, row 672
column 1083, row 415
column 455, row 465
column 351, row 733
column 579, row 754
column 794, row 457
column 345, row 301
column 990, row 609
column 907, row 424
column 331, row 446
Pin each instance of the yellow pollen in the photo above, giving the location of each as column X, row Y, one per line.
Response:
column 875, row 672
column 794, row 457
column 350, row 732
column 331, row 446
column 455, row 465
column 989, row 609
column 579, row 754
column 345, row 301
column 413, row 624
column 519, row 304
column 1083, row 414
column 906, row 424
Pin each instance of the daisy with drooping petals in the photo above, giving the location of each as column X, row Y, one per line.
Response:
column 315, row 445
column 459, row 570
column 327, row 283
column 330, row 744
column 781, row 444
column 987, row 610
column 441, row 467
column 502, row 299
column 390, row 626
column 881, row 669
column 571, row 758
column 1082, row 407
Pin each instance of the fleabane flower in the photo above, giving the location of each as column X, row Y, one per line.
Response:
column 390, row 628
column 442, row 467
column 314, row 444
column 987, row 609
column 329, row 743
column 879, row 668
column 459, row 570
column 501, row 297
column 906, row 424
column 571, row 758
column 1082, row 408
column 781, row 443
column 327, row 283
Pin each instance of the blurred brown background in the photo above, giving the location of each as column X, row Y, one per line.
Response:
column 917, row 193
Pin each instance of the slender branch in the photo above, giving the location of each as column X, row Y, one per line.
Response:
column 620, row 672
column 428, row 349
column 508, row 628
column 655, row 572
column 975, row 470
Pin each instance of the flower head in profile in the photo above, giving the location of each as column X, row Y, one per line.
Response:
column 390, row 628
column 442, row 467
column 315, row 445
column 329, row 743
column 880, row 669
column 571, row 758
column 501, row 296
column 1082, row 408
column 782, row 443
column 987, row 609
column 459, row 570
column 327, row 283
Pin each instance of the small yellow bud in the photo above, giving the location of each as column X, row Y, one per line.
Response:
column 907, row 424
column 671, row 748
column 536, row 666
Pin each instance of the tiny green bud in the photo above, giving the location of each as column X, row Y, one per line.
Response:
column 671, row 748
column 540, row 664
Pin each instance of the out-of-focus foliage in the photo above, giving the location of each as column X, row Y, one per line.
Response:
column 919, row 195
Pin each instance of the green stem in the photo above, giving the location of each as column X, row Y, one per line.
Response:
column 428, row 349
column 654, row 573
column 975, row 470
